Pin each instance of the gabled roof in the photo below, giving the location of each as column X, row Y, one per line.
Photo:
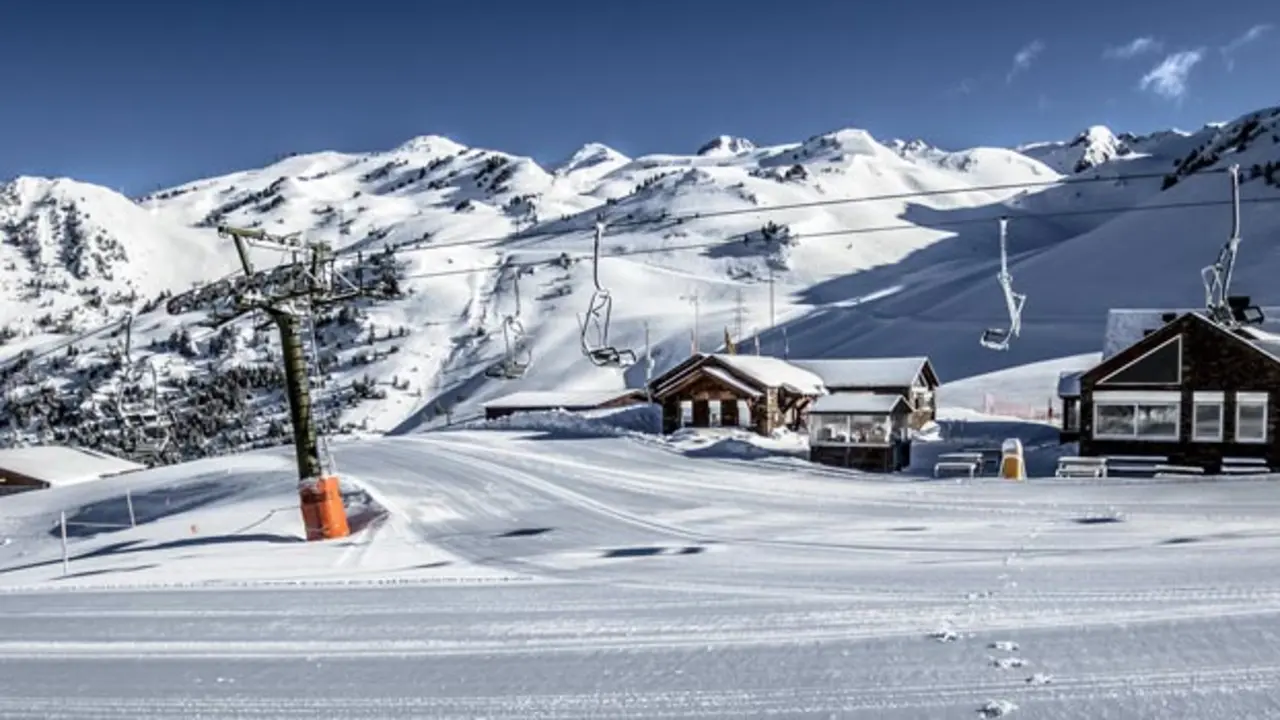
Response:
column 856, row 403
column 1264, row 340
column 774, row 372
column 1126, row 326
column 59, row 465
column 869, row 372
column 760, row 371
column 1268, row 344
column 559, row 398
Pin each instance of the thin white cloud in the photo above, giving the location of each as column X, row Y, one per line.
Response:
column 1024, row 57
column 964, row 87
column 1133, row 48
column 1169, row 78
column 1249, row 36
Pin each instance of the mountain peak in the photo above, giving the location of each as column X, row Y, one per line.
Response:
column 590, row 155
column 432, row 144
column 726, row 145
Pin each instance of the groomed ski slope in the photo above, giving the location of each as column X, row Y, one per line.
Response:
column 572, row 573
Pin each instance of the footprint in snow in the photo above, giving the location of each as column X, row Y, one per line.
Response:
column 996, row 708
column 1040, row 679
column 1008, row 663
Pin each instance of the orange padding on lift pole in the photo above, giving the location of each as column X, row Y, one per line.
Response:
column 322, row 510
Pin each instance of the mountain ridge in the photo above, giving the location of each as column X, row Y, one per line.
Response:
column 457, row 233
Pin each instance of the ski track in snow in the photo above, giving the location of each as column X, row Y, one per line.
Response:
column 628, row 582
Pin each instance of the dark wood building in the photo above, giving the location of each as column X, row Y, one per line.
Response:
column 911, row 378
column 1192, row 392
column 572, row 401
column 724, row 390
column 861, row 430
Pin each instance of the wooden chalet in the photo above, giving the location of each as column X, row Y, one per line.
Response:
column 710, row 390
column 572, row 401
column 873, row 404
column 862, row 430
column 911, row 378
column 1189, row 393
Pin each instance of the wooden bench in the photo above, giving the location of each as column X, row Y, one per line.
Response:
column 990, row 458
column 1167, row 470
column 1244, row 466
column 1075, row 466
column 1134, row 465
column 968, row 462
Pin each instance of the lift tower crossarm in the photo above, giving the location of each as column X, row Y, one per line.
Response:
column 320, row 285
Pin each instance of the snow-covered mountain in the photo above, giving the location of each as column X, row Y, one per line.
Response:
column 1098, row 145
column 457, row 239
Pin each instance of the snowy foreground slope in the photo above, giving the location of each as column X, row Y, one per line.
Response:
column 760, row 236
column 534, row 574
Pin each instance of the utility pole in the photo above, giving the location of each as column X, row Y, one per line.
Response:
column 771, row 315
column 310, row 285
column 739, row 309
column 693, row 298
column 648, row 365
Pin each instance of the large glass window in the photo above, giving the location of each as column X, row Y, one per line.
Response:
column 829, row 429
column 1124, row 419
column 1206, row 422
column 1251, row 417
column 869, row 429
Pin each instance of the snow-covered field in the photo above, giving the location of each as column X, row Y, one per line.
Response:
column 546, row 574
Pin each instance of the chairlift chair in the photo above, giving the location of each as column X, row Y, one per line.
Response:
column 144, row 430
column 599, row 312
column 517, row 355
column 999, row 338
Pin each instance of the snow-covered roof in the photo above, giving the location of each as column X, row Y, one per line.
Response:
column 1126, row 326
column 732, row 382
column 1069, row 383
column 865, row 372
column 558, row 398
column 856, row 402
column 60, row 465
column 1265, row 340
column 774, row 372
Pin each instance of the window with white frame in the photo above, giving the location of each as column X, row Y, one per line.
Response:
column 1251, row 417
column 1206, row 417
column 827, row 429
column 920, row 397
column 831, row 429
column 1143, row 416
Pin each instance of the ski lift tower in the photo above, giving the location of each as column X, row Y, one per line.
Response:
column 313, row 283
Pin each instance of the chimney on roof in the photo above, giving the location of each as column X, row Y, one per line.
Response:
column 1168, row 317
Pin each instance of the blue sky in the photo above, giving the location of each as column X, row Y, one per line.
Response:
column 140, row 94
